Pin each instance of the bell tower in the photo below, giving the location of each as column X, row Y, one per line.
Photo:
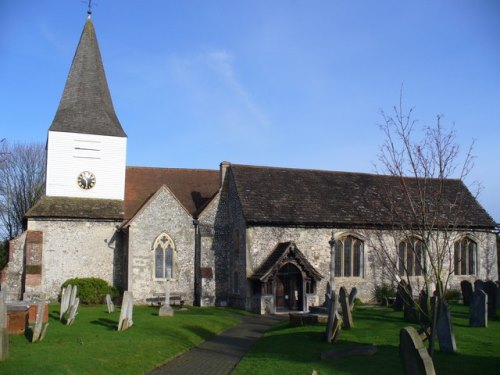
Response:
column 86, row 144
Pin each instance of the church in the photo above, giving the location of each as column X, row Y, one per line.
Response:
column 249, row 237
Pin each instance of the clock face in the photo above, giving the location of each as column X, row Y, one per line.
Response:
column 86, row 180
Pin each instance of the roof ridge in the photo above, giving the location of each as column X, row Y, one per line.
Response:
column 174, row 169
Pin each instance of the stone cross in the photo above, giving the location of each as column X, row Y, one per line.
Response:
column 110, row 304
column 4, row 334
column 73, row 311
column 478, row 315
column 466, row 288
column 414, row 356
column 346, row 310
column 444, row 328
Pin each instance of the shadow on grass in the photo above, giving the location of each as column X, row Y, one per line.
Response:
column 108, row 323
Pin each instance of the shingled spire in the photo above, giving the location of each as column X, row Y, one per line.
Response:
column 86, row 105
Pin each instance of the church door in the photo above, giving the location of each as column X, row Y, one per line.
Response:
column 289, row 291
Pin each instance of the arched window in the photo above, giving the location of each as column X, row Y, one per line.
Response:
column 411, row 257
column 465, row 257
column 164, row 255
column 349, row 257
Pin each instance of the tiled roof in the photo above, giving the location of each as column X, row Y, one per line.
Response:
column 285, row 196
column 194, row 188
column 86, row 105
column 77, row 208
column 281, row 253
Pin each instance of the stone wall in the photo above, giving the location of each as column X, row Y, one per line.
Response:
column 75, row 248
column 161, row 214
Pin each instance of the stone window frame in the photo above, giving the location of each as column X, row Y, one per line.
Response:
column 411, row 257
column 471, row 253
column 158, row 242
column 355, row 264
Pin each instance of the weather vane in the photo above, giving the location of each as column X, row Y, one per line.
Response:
column 89, row 8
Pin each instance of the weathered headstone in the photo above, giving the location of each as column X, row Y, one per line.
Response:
column 491, row 289
column 4, row 334
column 110, row 304
column 414, row 356
column 444, row 327
column 44, row 332
column 466, row 288
column 65, row 297
column 478, row 285
column 72, row 298
column 352, row 297
column 478, row 315
column 346, row 310
column 73, row 311
column 334, row 322
column 126, row 312
column 37, row 330
column 165, row 309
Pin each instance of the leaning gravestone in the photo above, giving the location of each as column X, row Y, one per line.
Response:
column 466, row 288
column 491, row 289
column 444, row 327
column 72, row 298
column 4, row 334
column 346, row 310
column 126, row 312
column 65, row 297
column 352, row 297
column 334, row 322
column 414, row 356
column 37, row 330
column 110, row 304
column 73, row 311
column 478, row 315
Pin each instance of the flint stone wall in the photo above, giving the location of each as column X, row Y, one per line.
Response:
column 163, row 213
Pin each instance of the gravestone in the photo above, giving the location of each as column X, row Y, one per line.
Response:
column 334, row 323
column 166, row 310
column 65, row 297
column 346, row 310
column 410, row 309
column 444, row 328
column 37, row 330
column 491, row 289
column 110, row 304
column 4, row 334
column 73, row 311
column 400, row 296
column 414, row 356
column 44, row 332
column 478, row 285
column 466, row 288
column 126, row 312
column 72, row 298
column 352, row 297
column 478, row 314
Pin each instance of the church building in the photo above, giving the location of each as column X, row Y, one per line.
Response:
column 250, row 237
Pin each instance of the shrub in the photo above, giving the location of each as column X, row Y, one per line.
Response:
column 92, row 290
column 383, row 291
column 453, row 295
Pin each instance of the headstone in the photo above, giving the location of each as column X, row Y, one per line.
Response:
column 65, row 297
column 414, row 356
column 410, row 310
column 72, row 298
column 126, row 312
column 346, row 310
column 400, row 296
column 478, row 315
column 166, row 310
column 334, row 322
column 73, row 312
column 44, row 332
column 466, row 288
column 444, row 328
column 352, row 297
column 4, row 334
column 478, row 285
column 110, row 304
column 491, row 289
column 37, row 330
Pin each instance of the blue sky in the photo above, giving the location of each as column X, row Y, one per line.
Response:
column 280, row 83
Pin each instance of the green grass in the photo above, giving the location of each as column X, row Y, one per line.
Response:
column 93, row 346
column 296, row 350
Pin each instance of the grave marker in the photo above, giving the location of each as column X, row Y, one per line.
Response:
column 126, row 312
column 110, row 304
column 346, row 310
column 478, row 315
column 466, row 288
column 444, row 328
column 352, row 297
column 65, row 297
column 414, row 356
column 73, row 312
column 37, row 330
column 491, row 289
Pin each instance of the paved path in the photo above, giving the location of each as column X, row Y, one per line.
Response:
column 219, row 355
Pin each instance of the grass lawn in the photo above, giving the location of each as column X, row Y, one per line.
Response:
column 296, row 350
column 93, row 346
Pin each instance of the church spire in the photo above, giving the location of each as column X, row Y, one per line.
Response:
column 86, row 105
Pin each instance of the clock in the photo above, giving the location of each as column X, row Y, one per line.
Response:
column 86, row 180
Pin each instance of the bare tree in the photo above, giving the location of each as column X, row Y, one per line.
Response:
column 427, row 202
column 22, row 183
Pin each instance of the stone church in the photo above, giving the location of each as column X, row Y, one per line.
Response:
column 250, row 237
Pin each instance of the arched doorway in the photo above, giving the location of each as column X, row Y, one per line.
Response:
column 289, row 288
